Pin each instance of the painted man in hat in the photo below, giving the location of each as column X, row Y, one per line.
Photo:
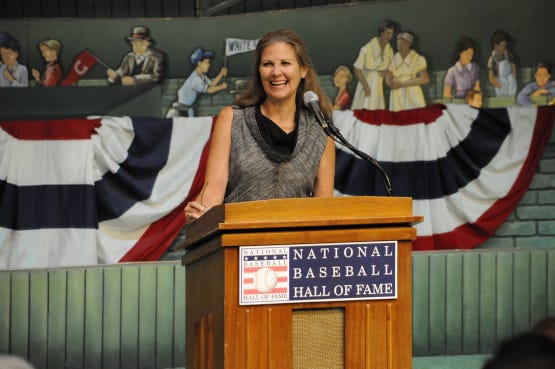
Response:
column 197, row 83
column 142, row 65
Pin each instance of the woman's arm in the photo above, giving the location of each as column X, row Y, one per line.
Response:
column 447, row 92
column 422, row 78
column 492, row 79
column 217, row 168
column 323, row 187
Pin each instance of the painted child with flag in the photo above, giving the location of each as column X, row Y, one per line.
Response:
column 197, row 83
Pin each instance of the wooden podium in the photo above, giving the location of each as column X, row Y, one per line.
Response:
column 336, row 333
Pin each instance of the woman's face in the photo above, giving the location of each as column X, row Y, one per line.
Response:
column 501, row 47
column 403, row 45
column 542, row 76
column 48, row 54
column 466, row 56
column 387, row 34
column 280, row 71
column 340, row 79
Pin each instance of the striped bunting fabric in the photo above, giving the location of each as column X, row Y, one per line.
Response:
column 101, row 190
column 112, row 189
column 466, row 169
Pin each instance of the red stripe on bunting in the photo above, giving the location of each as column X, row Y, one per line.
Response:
column 160, row 234
column 470, row 235
column 428, row 114
column 55, row 129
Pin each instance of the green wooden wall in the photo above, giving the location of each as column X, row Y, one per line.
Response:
column 464, row 303
column 119, row 316
column 132, row 316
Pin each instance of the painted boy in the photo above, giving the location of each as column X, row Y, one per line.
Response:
column 197, row 83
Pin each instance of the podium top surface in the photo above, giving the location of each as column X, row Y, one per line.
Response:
column 302, row 213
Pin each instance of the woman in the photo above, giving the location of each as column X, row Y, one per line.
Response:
column 370, row 67
column 269, row 145
column 341, row 78
column 407, row 72
column 50, row 49
column 464, row 75
column 501, row 65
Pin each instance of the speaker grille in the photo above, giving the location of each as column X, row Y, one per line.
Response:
column 319, row 339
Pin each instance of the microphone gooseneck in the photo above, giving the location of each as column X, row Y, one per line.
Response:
column 312, row 101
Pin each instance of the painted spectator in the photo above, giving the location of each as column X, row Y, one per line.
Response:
column 407, row 72
column 142, row 65
column 370, row 68
column 541, row 86
column 12, row 74
column 50, row 50
column 342, row 76
column 4, row 37
column 501, row 65
column 464, row 75
column 197, row 83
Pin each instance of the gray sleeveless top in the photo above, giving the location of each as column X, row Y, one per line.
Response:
column 258, row 172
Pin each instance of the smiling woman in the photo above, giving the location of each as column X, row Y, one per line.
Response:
column 268, row 145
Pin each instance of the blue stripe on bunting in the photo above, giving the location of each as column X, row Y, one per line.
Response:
column 135, row 179
column 428, row 179
column 47, row 206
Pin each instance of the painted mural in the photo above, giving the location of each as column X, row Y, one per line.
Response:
column 389, row 72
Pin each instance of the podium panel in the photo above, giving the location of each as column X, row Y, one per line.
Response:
column 355, row 333
column 318, row 338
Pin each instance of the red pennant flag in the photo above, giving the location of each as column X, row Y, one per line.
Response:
column 81, row 66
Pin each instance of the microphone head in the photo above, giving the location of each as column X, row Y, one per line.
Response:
column 310, row 97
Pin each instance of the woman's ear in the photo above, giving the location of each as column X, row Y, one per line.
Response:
column 304, row 72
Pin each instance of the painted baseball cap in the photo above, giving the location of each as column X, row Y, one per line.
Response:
column 199, row 54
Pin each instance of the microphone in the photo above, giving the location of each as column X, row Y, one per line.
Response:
column 312, row 101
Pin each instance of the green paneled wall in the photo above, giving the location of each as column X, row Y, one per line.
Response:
column 132, row 316
column 120, row 316
column 466, row 302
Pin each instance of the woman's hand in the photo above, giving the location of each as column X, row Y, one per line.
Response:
column 194, row 210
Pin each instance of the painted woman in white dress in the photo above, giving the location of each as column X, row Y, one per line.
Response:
column 407, row 72
column 501, row 65
column 370, row 66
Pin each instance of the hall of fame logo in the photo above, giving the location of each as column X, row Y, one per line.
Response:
column 264, row 275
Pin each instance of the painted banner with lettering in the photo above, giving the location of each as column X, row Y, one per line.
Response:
column 234, row 46
column 103, row 190
column 82, row 65
column 466, row 169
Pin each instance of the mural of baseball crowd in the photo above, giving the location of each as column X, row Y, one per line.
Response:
column 402, row 69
